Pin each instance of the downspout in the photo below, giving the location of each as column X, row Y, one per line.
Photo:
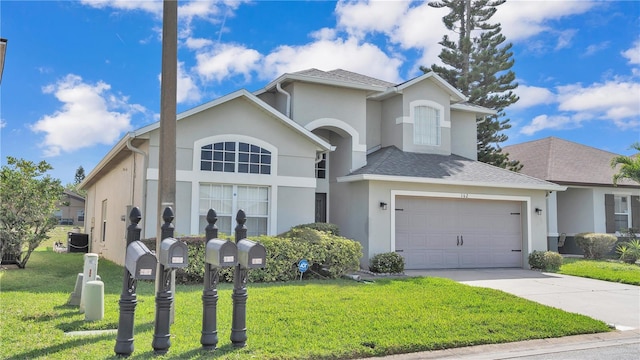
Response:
column 144, row 176
column 288, row 109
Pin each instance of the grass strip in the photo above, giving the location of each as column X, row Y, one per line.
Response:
column 614, row 271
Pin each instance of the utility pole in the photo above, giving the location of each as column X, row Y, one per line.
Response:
column 167, row 151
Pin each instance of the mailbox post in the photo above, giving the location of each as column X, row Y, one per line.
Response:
column 250, row 255
column 171, row 255
column 218, row 254
column 140, row 263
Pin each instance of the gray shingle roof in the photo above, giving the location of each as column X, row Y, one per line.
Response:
column 392, row 161
column 565, row 162
column 344, row 75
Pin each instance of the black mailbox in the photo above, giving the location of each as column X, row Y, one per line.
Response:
column 221, row 253
column 140, row 262
column 251, row 255
column 173, row 253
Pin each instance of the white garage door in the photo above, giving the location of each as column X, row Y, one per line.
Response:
column 438, row 233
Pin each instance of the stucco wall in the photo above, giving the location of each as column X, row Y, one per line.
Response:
column 576, row 211
column 391, row 131
column 349, row 210
column 464, row 134
column 374, row 123
column 295, row 206
column 116, row 187
column 314, row 101
column 381, row 233
column 426, row 90
column 292, row 166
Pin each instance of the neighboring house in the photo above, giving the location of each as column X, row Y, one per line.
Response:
column 394, row 166
column 70, row 209
column 591, row 202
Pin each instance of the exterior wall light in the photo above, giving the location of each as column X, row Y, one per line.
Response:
column 383, row 205
column 538, row 211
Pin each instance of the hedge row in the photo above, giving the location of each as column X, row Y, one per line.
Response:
column 329, row 255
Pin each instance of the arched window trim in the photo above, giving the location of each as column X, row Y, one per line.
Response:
column 197, row 151
column 417, row 138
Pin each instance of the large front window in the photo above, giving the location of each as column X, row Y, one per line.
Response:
column 426, row 126
column 621, row 212
column 230, row 156
column 226, row 200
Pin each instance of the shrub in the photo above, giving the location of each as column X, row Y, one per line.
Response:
column 326, row 227
column 389, row 262
column 629, row 251
column 595, row 245
column 545, row 260
column 329, row 256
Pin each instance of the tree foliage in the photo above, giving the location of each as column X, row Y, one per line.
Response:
column 629, row 166
column 79, row 175
column 28, row 200
column 479, row 65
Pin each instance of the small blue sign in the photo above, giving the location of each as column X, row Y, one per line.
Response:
column 303, row 265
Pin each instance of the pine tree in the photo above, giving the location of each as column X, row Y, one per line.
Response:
column 479, row 65
column 79, row 175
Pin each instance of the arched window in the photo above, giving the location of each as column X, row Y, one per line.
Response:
column 426, row 125
column 230, row 156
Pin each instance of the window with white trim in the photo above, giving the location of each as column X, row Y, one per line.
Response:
column 426, row 125
column 226, row 200
column 621, row 212
column 321, row 167
column 230, row 156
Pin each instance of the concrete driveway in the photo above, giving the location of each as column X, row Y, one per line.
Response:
column 615, row 304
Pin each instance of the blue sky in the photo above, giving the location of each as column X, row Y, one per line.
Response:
column 78, row 75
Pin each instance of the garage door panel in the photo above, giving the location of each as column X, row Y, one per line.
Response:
column 451, row 233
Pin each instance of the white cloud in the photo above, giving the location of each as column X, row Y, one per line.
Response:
column 613, row 101
column 610, row 100
column 633, row 54
column 361, row 17
column 564, row 38
column 409, row 27
column 151, row 6
column 522, row 19
column 3, row 123
column 227, row 60
column 89, row 115
column 594, row 48
column 186, row 90
column 197, row 43
column 348, row 54
column 544, row 122
column 532, row 96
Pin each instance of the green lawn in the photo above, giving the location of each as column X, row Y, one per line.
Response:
column 602, row 270
column 299, row 320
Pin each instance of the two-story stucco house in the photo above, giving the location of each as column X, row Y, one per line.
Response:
column 394, row 165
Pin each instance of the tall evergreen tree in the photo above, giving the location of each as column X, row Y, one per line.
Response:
column 479, row 65
column 79, row 175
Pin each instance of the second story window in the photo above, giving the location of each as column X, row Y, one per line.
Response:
column 235, row 157
column 321, row 167
column 426, row 126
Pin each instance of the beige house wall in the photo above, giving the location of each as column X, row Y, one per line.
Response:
column 464, row 129
column 378, row 235
column 115, row 189
column 292, row 180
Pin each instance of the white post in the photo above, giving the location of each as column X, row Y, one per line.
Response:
column 89, row 274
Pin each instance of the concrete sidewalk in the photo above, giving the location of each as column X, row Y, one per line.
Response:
column 616, row 304
column 598, row 346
